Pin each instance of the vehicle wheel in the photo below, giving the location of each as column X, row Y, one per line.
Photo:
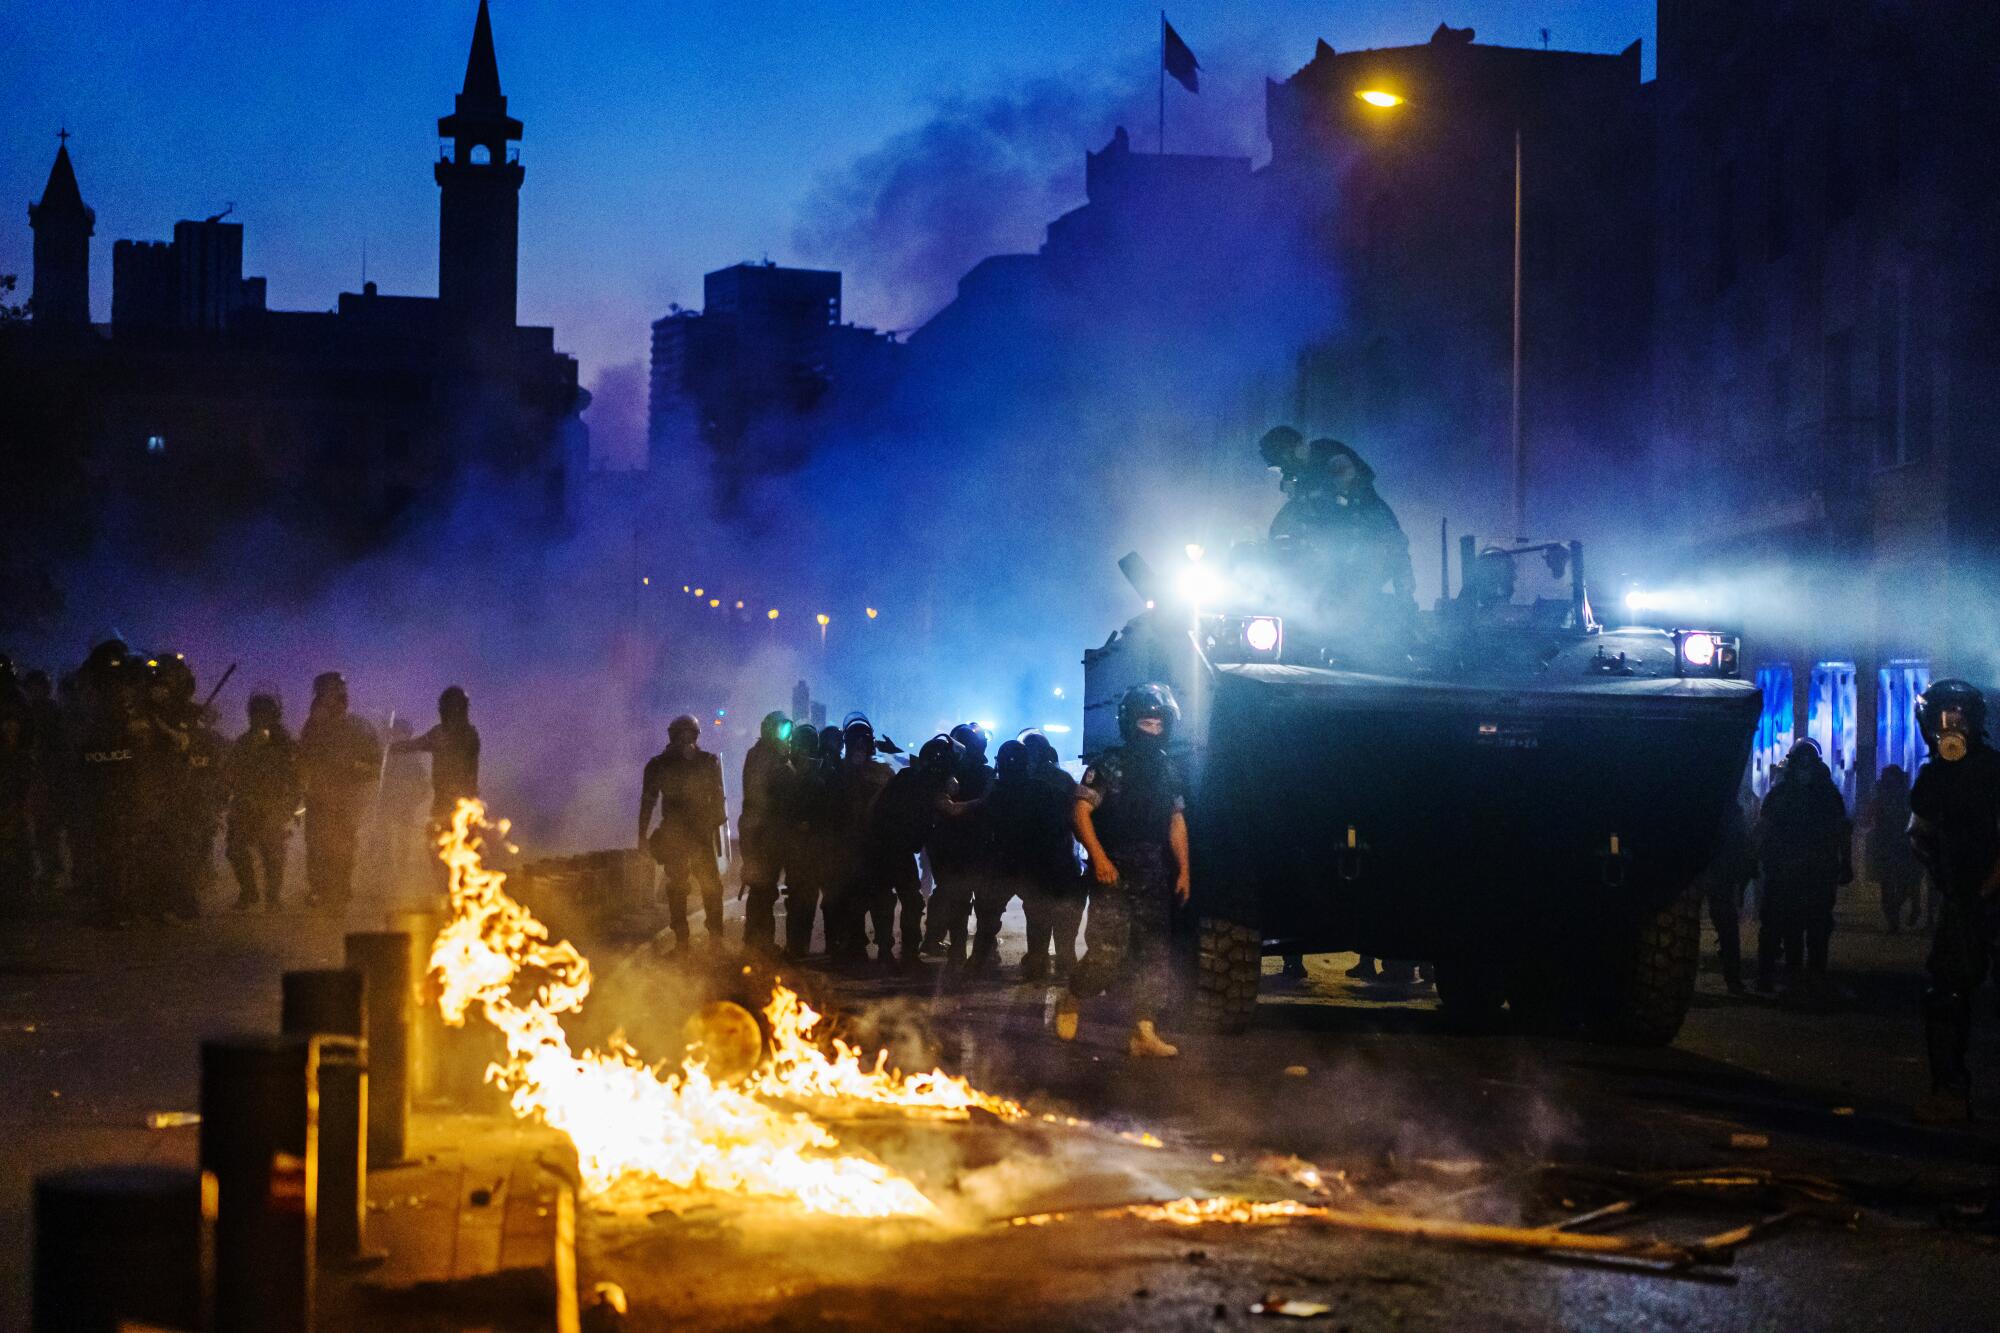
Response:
column 1229, row 961
column 1651, row 990
column 1471, row 992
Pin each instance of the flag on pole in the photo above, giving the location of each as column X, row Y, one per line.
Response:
column 1176, row 58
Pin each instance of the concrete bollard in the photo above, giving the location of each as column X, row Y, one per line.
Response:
column 120, row 1244
column 329, row 1004
column 426, row 1024
column 383, row 957
column 259, row 1150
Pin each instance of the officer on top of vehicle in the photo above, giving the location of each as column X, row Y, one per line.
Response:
column 1955, row 832
column 1131, row 818
column 1335, row 515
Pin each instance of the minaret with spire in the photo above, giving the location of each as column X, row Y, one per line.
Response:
column 62, row 227
column 479, row 199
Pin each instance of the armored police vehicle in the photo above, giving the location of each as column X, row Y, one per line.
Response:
column 1500, row 786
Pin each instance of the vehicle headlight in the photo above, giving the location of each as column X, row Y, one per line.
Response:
column 1701, row 652
column 1242, row 638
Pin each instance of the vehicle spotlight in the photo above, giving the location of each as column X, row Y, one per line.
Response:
column 1700, row 652
column 1200, row 585
column 1261, row 634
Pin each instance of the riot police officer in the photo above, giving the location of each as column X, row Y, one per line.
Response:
column 801, row 838
column 191, row 803
column 1131, row 819
column 340, row 763
column 767, row 775
column 1955, row 832
column 1034, row 854
column 453, row 745
column 960, row 847
column 857, row 783
column 264, row 790
column 684, row 782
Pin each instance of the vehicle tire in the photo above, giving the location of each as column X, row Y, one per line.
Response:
column 1229, row 962
column 1471, row 993
column 1654, row 984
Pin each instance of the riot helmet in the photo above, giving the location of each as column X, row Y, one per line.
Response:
column 1040, row 750
column 858, row 736
column 454, row 704
column 832, row 742
column 329, row 688
column 1151, row 700
column 683, row 730
column 939, row 755
column 1013, row 759
column 1279, row 448
column 804, row 743
column 972, row 737
column 264, row 710
column 775, row 727
column 1952, row 715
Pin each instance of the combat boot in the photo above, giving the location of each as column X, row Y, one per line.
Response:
column 1146, row 1043
column 1067, row 1015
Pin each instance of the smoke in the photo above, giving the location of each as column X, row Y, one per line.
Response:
column 618, row 416
column 984, row 173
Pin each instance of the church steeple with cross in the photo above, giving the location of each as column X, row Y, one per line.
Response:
column 479, row 196
column 62, row 225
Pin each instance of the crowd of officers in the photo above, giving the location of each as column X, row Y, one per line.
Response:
column 848, row 842
column 117, row 779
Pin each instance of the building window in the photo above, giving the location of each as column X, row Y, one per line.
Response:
column 1840, row 183
column 1725, row 226
column 1831, row 724
column 1777, row 206
column 1774, row 726
column 1888, row 376
column 1898, row 740
column 156, row 444
column 1781, row 407
column 1837, row 403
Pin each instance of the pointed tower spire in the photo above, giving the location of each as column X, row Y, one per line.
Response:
column 61, row 194
column 62, row 225
column 479, row 186
column 482, row 68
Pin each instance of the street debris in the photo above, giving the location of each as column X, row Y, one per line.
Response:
column 172, row 1119
column 1272, row 1305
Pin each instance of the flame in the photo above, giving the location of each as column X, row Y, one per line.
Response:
column 641, row 1129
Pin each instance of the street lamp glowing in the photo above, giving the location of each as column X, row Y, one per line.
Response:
column 772, row 614
column 698, row 592
column 822, row 618
column 715, row 601
column 1381, row 97
column 872, row 613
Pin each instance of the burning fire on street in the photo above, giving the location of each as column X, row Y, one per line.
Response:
column 650, row 1137
column 641, row 1128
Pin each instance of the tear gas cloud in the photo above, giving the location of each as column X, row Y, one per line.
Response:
column 981, row 509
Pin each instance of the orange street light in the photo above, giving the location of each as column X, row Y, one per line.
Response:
column 872, row 613
column 772, row 614
column 715, row 601
column 1381, row 97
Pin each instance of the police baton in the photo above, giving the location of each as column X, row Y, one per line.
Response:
column 219, row 684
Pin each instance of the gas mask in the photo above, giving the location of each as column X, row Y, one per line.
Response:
column 1952, row 742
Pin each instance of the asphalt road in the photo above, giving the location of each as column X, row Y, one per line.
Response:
column 1398, row 1115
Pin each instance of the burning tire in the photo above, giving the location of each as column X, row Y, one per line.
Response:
column 1229, row 961
column 1652, row 984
